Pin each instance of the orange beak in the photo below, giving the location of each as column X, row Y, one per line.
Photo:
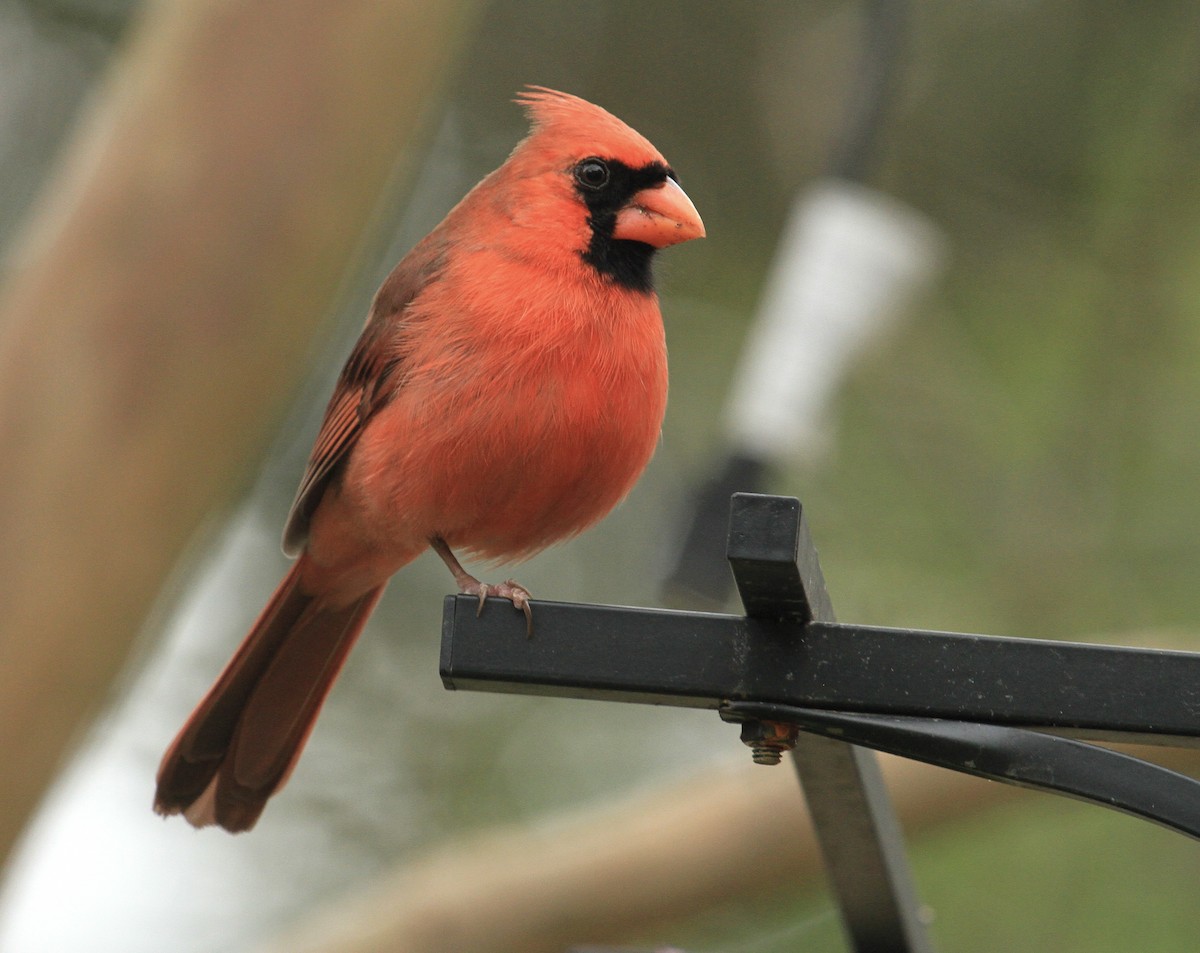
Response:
column 660, row 216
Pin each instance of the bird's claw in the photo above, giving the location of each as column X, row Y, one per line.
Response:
column 517, row 594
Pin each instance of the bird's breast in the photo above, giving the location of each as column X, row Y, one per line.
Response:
column 524, row 416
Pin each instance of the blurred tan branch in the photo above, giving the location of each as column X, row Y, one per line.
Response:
column 605, row 875
column 157, row 310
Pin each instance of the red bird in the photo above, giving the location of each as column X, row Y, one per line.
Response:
column 506, row 393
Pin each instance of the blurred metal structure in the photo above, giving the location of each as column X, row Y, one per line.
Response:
column 993, row 707
column 848, row 264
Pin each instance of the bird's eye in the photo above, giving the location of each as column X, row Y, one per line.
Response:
column 592, row 174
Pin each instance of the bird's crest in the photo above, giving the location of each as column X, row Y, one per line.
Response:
column 582, row 127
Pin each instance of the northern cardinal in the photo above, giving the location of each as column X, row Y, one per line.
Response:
column 506, row 392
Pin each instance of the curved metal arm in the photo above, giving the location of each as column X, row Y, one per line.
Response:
column 1029, row 759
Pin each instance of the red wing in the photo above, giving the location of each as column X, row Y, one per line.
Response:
column 359, row 393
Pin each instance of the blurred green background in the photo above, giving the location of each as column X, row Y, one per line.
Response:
column 1018, row 457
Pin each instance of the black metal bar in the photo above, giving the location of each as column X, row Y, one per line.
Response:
column 862, row 845
column 779, row 577
column 701, row 660
column 774, row 561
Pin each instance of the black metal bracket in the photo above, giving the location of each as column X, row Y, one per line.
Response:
column 796, row 679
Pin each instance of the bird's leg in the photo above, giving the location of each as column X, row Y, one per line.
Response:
column 469, row 585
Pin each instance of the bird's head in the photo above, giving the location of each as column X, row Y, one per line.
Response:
column 583, row 173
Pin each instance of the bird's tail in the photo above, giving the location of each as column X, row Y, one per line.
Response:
column 242, row 741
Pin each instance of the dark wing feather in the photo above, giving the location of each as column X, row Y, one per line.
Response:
column 359, row 392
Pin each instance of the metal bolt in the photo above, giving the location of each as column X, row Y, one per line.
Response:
column 768, row 740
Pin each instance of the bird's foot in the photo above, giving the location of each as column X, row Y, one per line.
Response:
column 517, row 594
column 470, row 586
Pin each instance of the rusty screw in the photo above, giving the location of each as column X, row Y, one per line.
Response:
column 768, row 740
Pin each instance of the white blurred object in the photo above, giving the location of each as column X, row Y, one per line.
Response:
column 851, row 260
